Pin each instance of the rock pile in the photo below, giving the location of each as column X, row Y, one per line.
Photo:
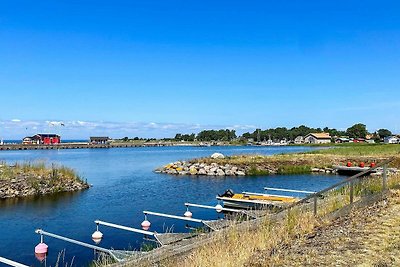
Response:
column 324, row 170
column 213, row 169
column 23, row 186
column 28, row 181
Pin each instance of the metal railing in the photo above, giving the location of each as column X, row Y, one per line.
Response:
column 12, row 263
column 349, row 181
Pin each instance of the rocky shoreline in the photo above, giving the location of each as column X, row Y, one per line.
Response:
column 213, row 169
column 20, row 182
column 219, row 165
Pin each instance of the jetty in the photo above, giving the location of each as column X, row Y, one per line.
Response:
column 78, row 146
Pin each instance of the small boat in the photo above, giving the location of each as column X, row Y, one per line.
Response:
column 246, row 200
column 345, row 170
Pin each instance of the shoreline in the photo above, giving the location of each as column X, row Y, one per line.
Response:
column 318, row 161
column 37, row 180
column 85, row 145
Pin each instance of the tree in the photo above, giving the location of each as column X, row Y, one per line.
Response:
column 125, row 139
column 384, row 132
column 358, row 130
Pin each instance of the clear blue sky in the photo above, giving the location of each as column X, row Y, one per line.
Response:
column 153, row 68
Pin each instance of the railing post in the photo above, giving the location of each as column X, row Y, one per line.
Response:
column 315, row 205
column 384, row 178
column 351, row 191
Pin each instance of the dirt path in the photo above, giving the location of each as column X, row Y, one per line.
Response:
column 367, row 237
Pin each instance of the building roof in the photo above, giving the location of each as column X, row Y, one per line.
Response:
column 99, row 138
column 319, row 135
column 48, row 135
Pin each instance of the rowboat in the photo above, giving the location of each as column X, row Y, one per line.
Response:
column 247, row 200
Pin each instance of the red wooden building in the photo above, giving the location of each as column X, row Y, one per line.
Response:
column 43, row 139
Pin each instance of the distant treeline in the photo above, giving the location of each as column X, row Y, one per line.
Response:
column 208, row 135
column 289, row 134
column 358, row 130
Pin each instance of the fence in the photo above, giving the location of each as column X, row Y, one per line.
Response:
column 350, row 182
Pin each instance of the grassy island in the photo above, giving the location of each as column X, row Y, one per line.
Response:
column 28, row 179
column 299, row 163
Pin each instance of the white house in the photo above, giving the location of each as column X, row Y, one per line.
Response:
column 299, row 140
column 391, row 140
column 317, row 138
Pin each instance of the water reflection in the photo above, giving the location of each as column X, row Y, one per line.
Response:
column 44, row 202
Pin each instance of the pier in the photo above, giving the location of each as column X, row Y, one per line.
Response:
column 79, row 146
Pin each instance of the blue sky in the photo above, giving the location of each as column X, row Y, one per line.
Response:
column 154, row 68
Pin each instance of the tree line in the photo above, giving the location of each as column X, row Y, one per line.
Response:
column 358, row 130
column 208, row 135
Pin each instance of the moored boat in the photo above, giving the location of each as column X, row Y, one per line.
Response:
column 248, row 200
column 348, row 170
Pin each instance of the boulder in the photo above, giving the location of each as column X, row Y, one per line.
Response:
column 217, row 156
column 213, row 169
column 220, row 172
column 240, row 173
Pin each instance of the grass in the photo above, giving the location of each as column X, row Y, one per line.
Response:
column 37, row 169
column 361, row 150
column 237, row 247
column 293, row 169
column 38, row 176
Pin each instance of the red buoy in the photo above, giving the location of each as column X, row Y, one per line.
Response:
column 372, row 164
column 362, row 164
column 348, row 164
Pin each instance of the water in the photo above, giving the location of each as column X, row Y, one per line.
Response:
column 123, row 186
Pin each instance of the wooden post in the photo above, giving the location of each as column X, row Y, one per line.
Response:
column 384, row 178
column 315, row 205
column 351, row 192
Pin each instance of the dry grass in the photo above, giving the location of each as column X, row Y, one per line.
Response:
column 37, row 170
column 237, row 246
column 269, row 244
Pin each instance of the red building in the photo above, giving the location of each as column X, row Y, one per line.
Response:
column 43, row 139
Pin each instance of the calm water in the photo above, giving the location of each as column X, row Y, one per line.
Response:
column 123, row 186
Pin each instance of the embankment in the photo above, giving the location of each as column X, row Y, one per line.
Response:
column 37, row 179
column 264, row 165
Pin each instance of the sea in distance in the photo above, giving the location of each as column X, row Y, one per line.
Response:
column 124, row 185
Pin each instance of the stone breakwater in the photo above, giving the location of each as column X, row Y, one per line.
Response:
column 212, row 169
column 23, row 187
column 215, row 169
column 19, row 182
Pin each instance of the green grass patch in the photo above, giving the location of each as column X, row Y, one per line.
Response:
column 361, row 150
column 253, row 171
column 293, row 169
